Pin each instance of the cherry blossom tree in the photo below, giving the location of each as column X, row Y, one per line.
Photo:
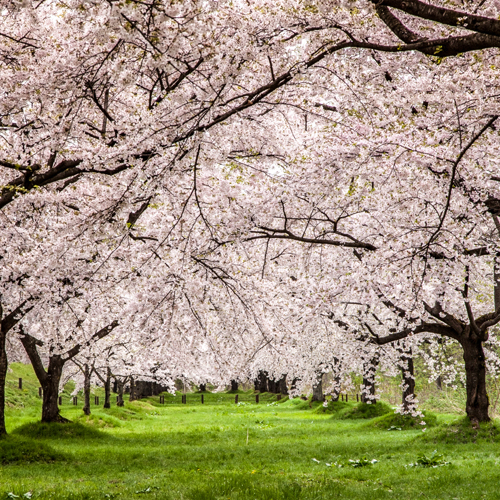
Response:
column 177, row 147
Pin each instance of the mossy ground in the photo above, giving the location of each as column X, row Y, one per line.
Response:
column 223, row 451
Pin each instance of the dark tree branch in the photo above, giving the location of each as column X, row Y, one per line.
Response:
column 445, row 47
column 30, row 346
column 450, row 17
column 11, row 320
column 439, row 313
column 436, row 328
column 395, row 25
column 284, row 234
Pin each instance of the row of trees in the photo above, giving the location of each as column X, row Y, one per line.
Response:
column 204, row 190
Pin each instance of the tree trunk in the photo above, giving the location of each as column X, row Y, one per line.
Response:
column 6, row 324
column 119, row 389
column 50, row 388
column 262, row 382
column 49, row 379
column 408, row 376
column 3, row 377
column 368, row 387
column 271, row 386
column 336, row 379
column 282, row 387
column 475, row 369
column 234, row 385
column 132, row 390
column 107, row 389
column 439, row 383
column 203, row 387
column 336, row 390
column 318, row 389
column 86, row 389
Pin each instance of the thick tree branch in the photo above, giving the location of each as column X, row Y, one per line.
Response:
column 450, row 17
column 437, row 328
column 11, row 320
column 395, row 25
column 438, row 312
column 30, row 346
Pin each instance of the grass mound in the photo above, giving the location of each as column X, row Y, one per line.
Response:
column 334, row 408
column 462, row 431
column 39, row 430
column 99, row 421
column 353, row 411
column 126, row 413
column 364, row 411
column 301, row 404
column 396, row 421
column 14, row 449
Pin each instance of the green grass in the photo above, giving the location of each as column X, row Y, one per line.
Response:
column 354, row 411
column 224, row 451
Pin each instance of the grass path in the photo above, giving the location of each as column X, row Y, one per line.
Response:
column 150, row 451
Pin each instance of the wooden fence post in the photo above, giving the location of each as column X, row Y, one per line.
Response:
column 236, row 399
column 162, row 400
column 357, row 398
column 96, row 400
column 20, row 383
column 342, row 397
column 256, row 398
column 75, row 400
column 202, row 399
column 278, row 397
column 184, row 401
column 346, row 398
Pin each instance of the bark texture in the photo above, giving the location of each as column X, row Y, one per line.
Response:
column 475, row 368
column 133, row 394
column 119, row 389
column 50, row 387
column 107, row 389
column 282, row 386
column 86, row 389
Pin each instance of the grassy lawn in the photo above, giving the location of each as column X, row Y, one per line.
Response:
column 224, row 451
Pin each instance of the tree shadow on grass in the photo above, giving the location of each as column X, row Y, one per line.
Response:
column 15, row 449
